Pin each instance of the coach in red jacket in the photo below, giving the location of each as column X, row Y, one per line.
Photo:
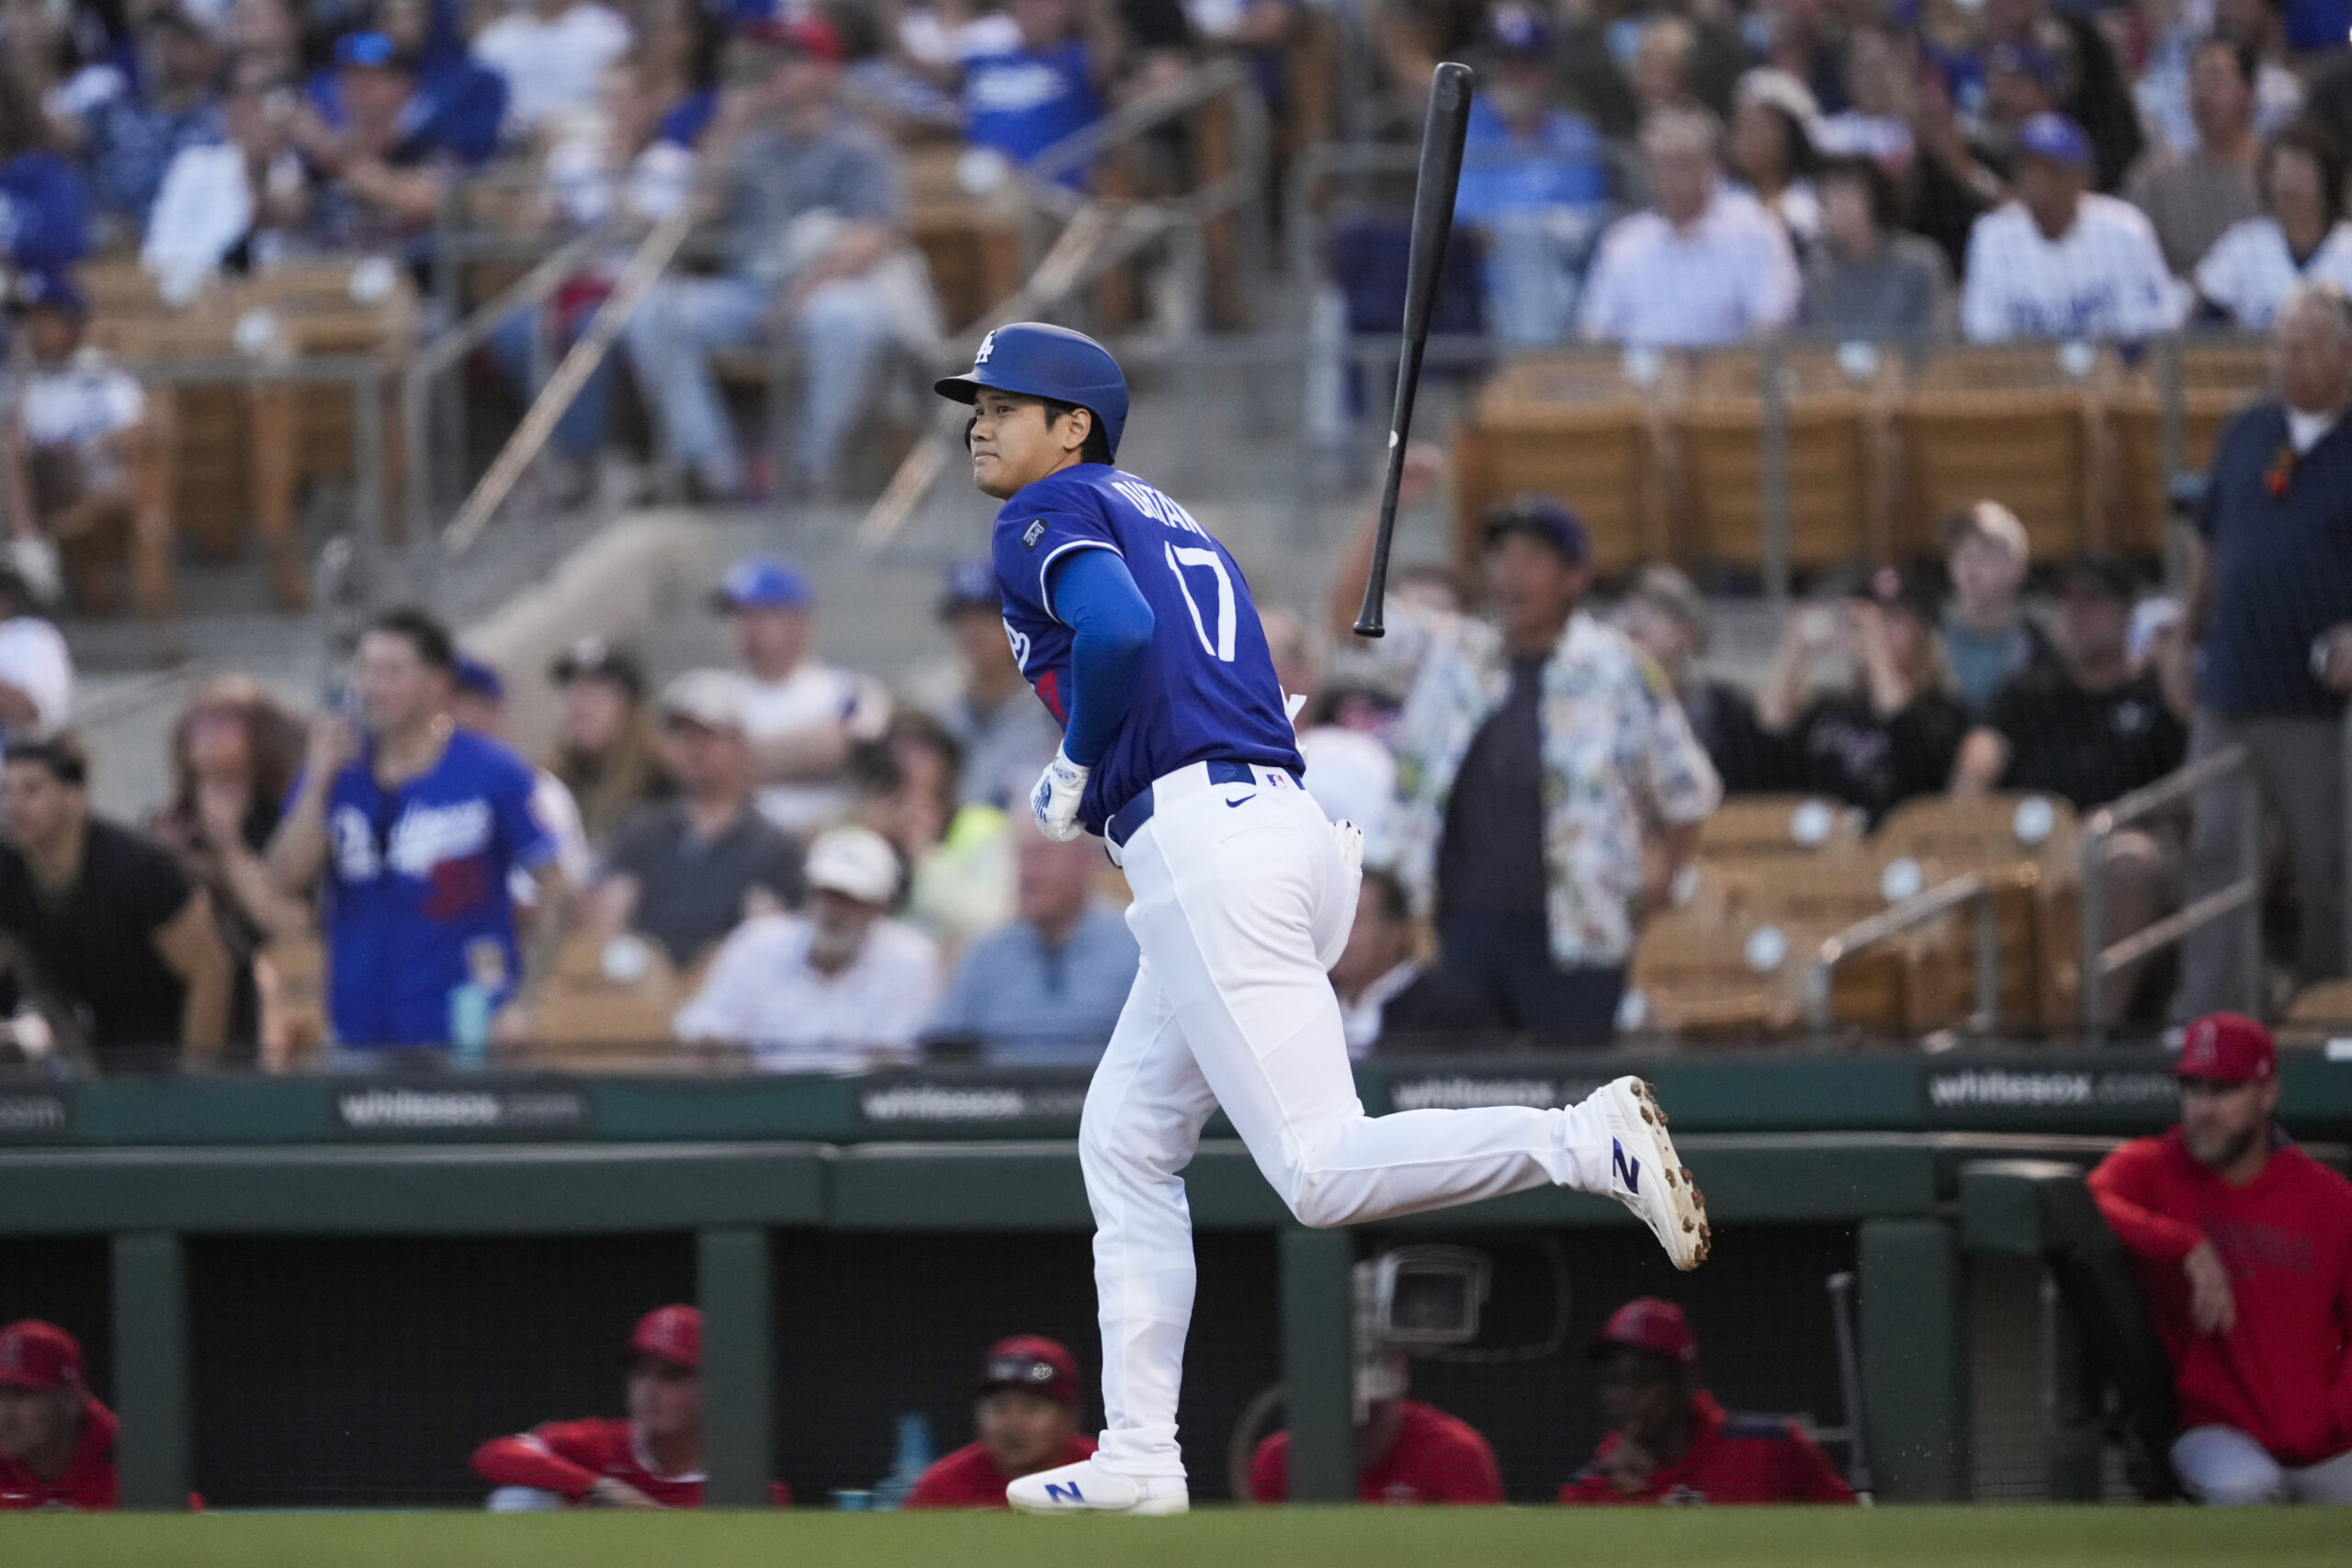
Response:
column 56, row 1439
column 2243, row 1244
column 1672, row 1443
column 652, row 1460
column 1027, row 1418
column 1405, row 1452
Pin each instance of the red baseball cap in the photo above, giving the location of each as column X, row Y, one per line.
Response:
column 2227, row 1047
column 673, row 1333
column 811, row 36
column 34, row 1354
column 1031, row 1362
column 1648, row 1324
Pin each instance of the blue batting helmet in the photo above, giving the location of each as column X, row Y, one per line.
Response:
column 1041, row 361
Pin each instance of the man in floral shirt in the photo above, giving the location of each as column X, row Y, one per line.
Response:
column 1536, row 757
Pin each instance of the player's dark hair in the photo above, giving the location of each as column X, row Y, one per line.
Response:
column 2242, row 54
column 1098, row 443
column 424, row 632
column 2316, row 143
column 62, row 755
column 1878, row 188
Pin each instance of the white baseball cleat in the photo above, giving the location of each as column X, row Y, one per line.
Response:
column 1087, row 1488
column 1647, row 1177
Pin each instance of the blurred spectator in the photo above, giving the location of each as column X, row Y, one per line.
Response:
column 2078, row 75
column 2167, row 91
column 1534, row 183
column 120, row 948
column 1666, row 617
column 1026, row 1415
column 553, row 53
column 56, row 1439
column 383, row 161
column 1875, row 123
column 133, row 136
column 44, row 225
column 1950, row 184
column 2243, row 1245
column 262, row 34
column 1534, row 757
column 1660, row 73
column 1389, row 1000
column 2268, row 619
column 460, row 105
column 234, row 755
column 1704, row 266
column 604, row 750
column 1867, row 278
column 1407, row 1453
column 1669, row 1441
column 960, row 876
column 1770, row 150
column 1803, row 40
column 812, row 210
column 1044, row 990
column 478, row 701
column 2192, row 195
column 1894, row 732
column 2301, row 235
column 35, row 672
column 802, row 716
column 2060, row 260
column 652, row 1459
column 1988, row 636
column 677, row 52
column 1048, row 84
column 413, row 826
column 840, row 989
column 687, row 871
column 72, row 434
column 1007, row 735
column 2088, row 729
column 618, row 161
column 239, row 202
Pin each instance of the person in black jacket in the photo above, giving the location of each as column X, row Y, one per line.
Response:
column 1895, row 730
column 1664, row 615
column 1390, row 999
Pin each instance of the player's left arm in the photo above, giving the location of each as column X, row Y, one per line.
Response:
column 1110, row 624
column 531, row 843
column 190, row 946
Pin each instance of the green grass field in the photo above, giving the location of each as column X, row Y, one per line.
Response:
column 1300, row 1537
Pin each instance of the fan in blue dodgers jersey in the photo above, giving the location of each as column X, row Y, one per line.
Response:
column 1137, row 630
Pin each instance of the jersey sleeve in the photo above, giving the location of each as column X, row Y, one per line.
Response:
column 1807, row 1476
column 1676, row 772
column 1028, row 542
column 1270, row 1470
column 1466, row 1471
column 535, row 1459
column 522, row 821
column 1981, row 316
column 2125, row 1187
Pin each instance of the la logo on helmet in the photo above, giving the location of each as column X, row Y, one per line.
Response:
column 987, row 345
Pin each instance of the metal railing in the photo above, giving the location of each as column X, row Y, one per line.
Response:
column 2243, row 895
column 1921, row 909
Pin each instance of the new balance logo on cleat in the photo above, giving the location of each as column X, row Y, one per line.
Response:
column 1057, row 1492
column 1629, row 1172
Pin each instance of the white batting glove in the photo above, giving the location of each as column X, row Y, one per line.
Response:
column 1055, row 800
column 1351, row 839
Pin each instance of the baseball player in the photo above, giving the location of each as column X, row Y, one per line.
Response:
column 56, row 1439
column 1137, row 630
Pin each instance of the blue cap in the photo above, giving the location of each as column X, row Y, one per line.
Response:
column 47, row 289
column 972, row 585
column 1520, row 30
column 374, row 50
column 1041, row 361
column 763, row 583
column 2056, row 138
column 480, row 679
column 1545, row 519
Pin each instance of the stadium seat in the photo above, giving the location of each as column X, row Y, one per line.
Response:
column 2036, row 449
column 1753, row 826
column 2216, row 381
column 1700, row 976
column 2030, row 847
column 291, row 974
column 1576, row 426
column 2319, row 1012
column 606, row 995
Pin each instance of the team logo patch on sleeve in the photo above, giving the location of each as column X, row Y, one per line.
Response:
column 1034, row 532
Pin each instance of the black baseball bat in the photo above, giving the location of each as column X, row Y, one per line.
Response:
column 1441, row 137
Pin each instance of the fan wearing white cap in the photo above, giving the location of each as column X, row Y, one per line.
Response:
column 839, row 989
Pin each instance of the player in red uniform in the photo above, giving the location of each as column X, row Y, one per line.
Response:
column 1027, row 1417
column 56, row 1439
column 1405, row 1452
column 1672, row 1443
column 2243, row 1244
column 653, row 1460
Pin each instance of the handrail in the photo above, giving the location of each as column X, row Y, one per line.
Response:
column 630, row 289
column 1203, row 84
column 1934, row 903
column 2100, row 959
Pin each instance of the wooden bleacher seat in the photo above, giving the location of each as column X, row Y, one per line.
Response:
column 1575, row 426
column 607, row 996
column 1779, row 826
column 2030, row 847
column 2216, row 381
column 2035, row 449
column 2320, row 1012
column 1836, row 487
column 290, row 975
column 1700, row 976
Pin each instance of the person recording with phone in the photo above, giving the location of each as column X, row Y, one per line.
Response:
column 411, row 828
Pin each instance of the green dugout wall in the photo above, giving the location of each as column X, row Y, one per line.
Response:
column 308, row 1263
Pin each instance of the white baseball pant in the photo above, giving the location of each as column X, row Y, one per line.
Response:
column 1242, row 900
column 2223, row 1465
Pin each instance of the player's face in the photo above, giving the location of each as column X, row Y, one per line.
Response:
column 33, row 1420
column 2092, row 626
column 1984, row 577
column 2051, row 191
column 2311, row 351
column 1533, row 588
column 2221, row 1121
column 665, row 1399
column 772, row 640
column 398, row 690
column 1013, row 446
column 594, row 715
column 1642, row 1395
column 1025, row 1431
column 35, row 808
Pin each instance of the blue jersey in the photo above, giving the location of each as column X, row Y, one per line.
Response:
column 1209, row 692
column 416, row 875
